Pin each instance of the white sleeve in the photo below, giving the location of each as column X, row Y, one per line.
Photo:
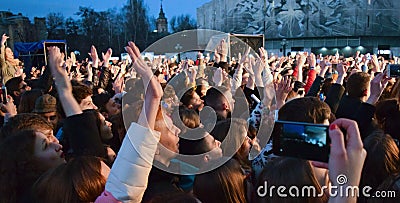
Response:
column 128, row 178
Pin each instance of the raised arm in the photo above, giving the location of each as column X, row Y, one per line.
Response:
column 63, row 85
column 128, row 177
column 3, row 51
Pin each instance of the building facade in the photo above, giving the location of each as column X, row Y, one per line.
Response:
column 305, row 25
column 20, row 29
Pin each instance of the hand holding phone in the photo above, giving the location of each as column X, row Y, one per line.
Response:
column 393, row 70
column 301, row 140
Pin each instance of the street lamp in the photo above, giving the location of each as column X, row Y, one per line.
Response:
column 284, row 44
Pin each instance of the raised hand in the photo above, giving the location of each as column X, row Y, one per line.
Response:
column 222, row 50
column 106, row 57
column 93, row 55
column 218, row 77
column 346, row 158
column 58, row 69
column 4, row 39
column 378, row 84
column 153, row 89
column 282, row 89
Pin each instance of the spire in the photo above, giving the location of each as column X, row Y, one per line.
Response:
column 161, row 15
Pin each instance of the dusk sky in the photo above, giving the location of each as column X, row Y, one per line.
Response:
column 40, row 8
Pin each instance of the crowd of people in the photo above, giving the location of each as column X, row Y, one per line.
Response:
column 194, row 130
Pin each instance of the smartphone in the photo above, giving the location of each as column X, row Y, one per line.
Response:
column 4, row 94
column 393, row 70
column 301, row 140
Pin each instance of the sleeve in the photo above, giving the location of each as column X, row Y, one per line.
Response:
column 364, row 117
column 104, row 77
column 83, row 135
column 334, row 96
column 2, row 56
column 46, row 80
column 236, row 80
column 128, row 178
column 315, row 87
column 310, row 80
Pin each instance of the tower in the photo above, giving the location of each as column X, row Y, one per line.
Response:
column 162, row 23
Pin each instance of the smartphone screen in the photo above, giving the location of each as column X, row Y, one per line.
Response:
column 301, row 140
column 393, row 70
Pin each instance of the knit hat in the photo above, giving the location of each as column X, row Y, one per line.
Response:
column 45, row 104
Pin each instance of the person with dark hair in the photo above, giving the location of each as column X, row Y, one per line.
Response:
column 382, row 162
column 358, row 91
column 28, row 99
column 227, row 183
column 303, row 176
column 27, row 121
column 80, row 180
column 190, row 99
column 221, row 100
column 16, row 87
column 233, row 133
column 387, row 115
column 24, row 157
column 106, row 104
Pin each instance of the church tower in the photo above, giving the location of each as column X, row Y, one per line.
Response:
column 162, row 23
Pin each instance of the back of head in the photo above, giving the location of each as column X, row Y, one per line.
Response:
column 81, row 91
column 100, row 100
column 214, row 97
column 18, row 168
column 13, row 85
column 195, row 144
column 280, row 172
column 24, row 121
column 382, row 159
column 28, row 99
column 306, row 109
column 231, row 133
column 358, row 84
column 79, row 180
column 388, row 116
column 223, row 184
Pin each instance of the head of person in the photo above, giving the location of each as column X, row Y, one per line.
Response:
column 24, row 158
column 358, row 85
column 83, row 95
column 9, row 54
column 169, row 100
column 27, row 121
column 387, row 114
column 233, row 134
column 168, row 146
column 46, row 106
column 382, row 159
column 192, row 100
column 16, row 87
column 82, row 179
column 106, row 104
column 202, row 87
column 280, row 172
column 199, row 142
column 223, row 184
column 306, row 109
column 221, row 100
column 28, row 100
